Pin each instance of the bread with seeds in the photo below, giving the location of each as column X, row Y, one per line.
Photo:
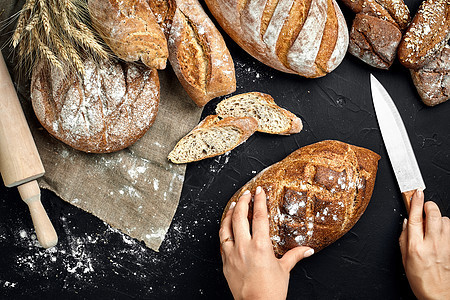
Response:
column 271, row 118
column 428, row 34
column 211, row 137
column 316, row 194
column 304, row 37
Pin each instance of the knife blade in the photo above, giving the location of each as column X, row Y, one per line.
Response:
column 397, row 142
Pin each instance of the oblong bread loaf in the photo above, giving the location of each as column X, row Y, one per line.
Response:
column 305, row 37
column 316, row 194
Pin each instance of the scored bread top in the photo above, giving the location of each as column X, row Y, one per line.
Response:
column 305, row 37
column 427, row 35
column 107, row 109
column 316, row 194
column 271, row 118
column 211, row 137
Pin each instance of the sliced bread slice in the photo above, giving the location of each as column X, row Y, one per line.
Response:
column 213, row 136
column 271, row 118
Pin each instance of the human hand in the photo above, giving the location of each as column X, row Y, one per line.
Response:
column 425, row 247
column 249, row 263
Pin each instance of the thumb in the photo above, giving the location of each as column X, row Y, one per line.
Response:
column 293, row 256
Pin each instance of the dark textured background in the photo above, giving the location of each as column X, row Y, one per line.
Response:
column 93, row 261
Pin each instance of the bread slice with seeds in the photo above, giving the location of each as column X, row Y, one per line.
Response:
column 271, row 118
column 211, row 137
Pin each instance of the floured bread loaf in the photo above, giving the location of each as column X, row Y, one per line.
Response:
column 108, row 109
column 433, row 80
column 316, row 194
column 271, row 118
column 305, row 37
column 213, row 136
column 195, row 48
column 130, row 30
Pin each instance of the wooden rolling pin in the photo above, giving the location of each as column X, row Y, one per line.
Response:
column 20, row 163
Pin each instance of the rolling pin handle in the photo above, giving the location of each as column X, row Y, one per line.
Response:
column 45, row 232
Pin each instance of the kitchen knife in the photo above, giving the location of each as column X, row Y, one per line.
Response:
column 397, row 142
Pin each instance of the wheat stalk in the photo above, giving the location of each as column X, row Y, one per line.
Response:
column 57, row 31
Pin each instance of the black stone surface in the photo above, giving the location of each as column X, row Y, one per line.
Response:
column 93, row 261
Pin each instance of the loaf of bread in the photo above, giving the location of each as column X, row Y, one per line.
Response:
column 428, row 34
column 130, row 30
column 305, row 37
column 316, row 194
column 377, row 30
column 211, row 137
column 108, row 109
column 374, row 40
column 433, row 80
column 195, row 48
column 271, row 118
column 198, row 54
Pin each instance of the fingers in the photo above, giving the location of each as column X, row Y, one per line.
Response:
column 260, row 223
column 226, row 230
column 403, row 241
column 293, row 256
column 239, row 221
column 433, row 220
column 415, row 222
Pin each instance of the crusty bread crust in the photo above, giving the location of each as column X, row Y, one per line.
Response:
column 427, row 35
column 246, row 127
column 198, row 54
column 106, row 110
column 316, row 194
column 226, row 108
column 433, row 80
column 287, row 34
column 130, row 30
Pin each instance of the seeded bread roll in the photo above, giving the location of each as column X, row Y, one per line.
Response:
column 305, row 37
column 211, row 137
column 106, row 110
column 271, row 118
column 433, row 80
column 316, row 194
column 374, row 40
column 130, row 30
column 428, row 34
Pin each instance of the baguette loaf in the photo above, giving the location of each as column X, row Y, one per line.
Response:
column 316, row 194
column 211, row 137
column 305, row 37
column 433, row 80
column 428, row 34
column 271, row 118
column 130, row 30
column 106, row 110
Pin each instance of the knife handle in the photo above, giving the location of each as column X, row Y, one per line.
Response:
column 407, row 199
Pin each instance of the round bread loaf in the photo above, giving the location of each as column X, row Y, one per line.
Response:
column 316, row 194
column 106, row 110
column 305, row 37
